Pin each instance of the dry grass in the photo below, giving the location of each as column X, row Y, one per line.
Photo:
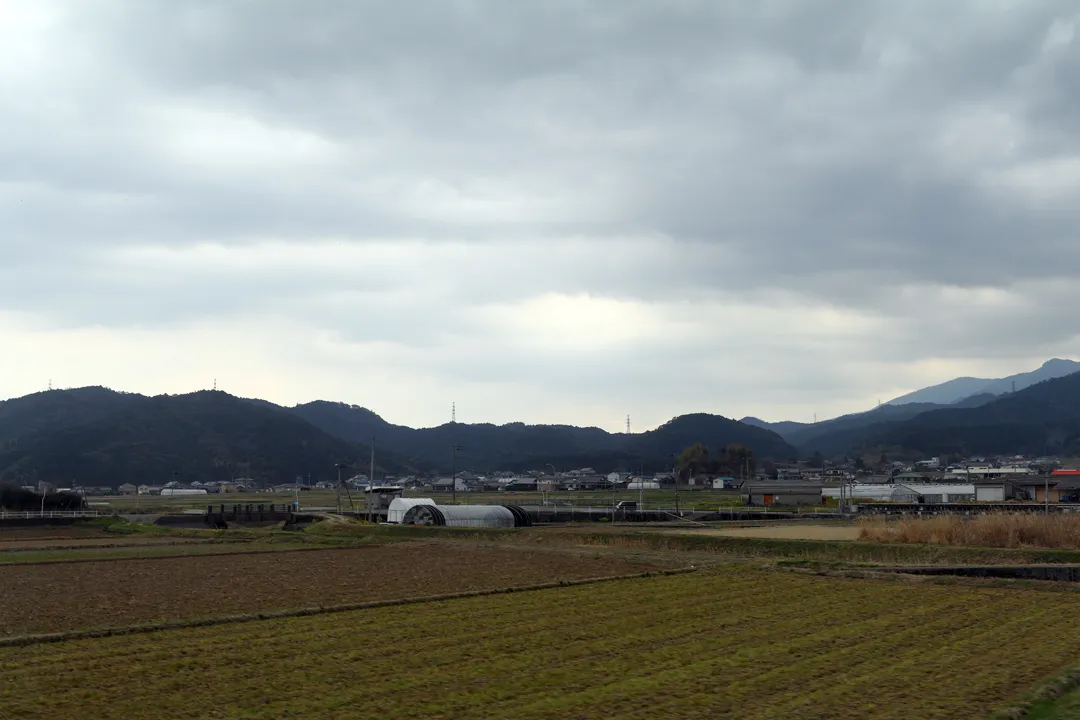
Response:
column 1004, row 530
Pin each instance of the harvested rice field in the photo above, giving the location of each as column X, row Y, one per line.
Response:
column 69, row 596
column 732, row 642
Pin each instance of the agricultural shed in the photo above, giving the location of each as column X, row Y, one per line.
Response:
column 643, row 485
column 399, row 506
column 990, row 491
column 782, row 493
column 466, row 516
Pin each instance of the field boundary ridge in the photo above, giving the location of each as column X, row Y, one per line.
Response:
column 261, row 551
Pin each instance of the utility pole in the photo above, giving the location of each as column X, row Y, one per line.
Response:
column 677, row 486
column 371, row 479
column 453, row 472
column 338, row 466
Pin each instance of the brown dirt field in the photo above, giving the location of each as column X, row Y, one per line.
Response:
column 784, row 532
column 47, row 598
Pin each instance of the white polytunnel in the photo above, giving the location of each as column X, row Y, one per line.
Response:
column 399, row 506
column 506, row 516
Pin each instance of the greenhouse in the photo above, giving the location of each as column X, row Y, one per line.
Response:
column 466, row 516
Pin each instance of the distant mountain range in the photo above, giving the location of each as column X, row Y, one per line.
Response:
column 1043, row 418
column 955, row 390
column 97, row 437
column 517, row 446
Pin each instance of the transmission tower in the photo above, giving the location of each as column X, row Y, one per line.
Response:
column 627, row 424
column 453, row 412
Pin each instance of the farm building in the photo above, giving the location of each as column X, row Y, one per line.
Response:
column 507, row 516
column 643, row 485
column 782, row 493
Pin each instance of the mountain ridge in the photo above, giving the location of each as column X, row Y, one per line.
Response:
column 958, row 389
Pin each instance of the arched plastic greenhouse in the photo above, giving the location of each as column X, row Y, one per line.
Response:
column 507, row 516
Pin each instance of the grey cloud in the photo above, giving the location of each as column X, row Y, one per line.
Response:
column 696, row 152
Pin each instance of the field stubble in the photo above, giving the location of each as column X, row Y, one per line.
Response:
column 738, row 642
column 56, row 597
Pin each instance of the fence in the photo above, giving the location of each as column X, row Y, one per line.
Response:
column 34, row 514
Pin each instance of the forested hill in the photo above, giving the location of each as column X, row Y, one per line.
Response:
column 97, row 437
column 517, row 446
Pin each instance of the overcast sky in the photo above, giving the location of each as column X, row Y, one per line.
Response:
column 543, row 211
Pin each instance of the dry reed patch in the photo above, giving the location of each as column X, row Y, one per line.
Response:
column 1004, row 530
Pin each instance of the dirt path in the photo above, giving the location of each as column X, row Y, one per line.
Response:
column 782, row 532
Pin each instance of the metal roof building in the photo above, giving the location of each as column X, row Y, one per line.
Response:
column 874, row 491
column 909, row 492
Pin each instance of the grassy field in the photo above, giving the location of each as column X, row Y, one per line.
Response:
column 731, row 642
column 1067, row 707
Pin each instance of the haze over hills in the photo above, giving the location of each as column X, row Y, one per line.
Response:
column 958, row 389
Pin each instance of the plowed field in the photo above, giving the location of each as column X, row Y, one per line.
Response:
column 44, row 598
column 726, row 643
